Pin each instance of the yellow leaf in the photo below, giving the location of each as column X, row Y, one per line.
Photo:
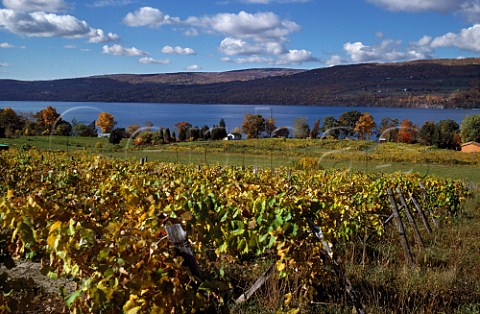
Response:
column 133, row 310
column 9, row 193
column 55, row 226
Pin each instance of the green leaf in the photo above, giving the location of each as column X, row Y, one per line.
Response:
column 72, row 297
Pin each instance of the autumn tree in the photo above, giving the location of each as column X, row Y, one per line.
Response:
column 428, row 133
column 315, row 129
column 10, row 122
column 131, row 129
column 447, row 131
column 470, row 128
column 301, row 128
column 183, row 128
column 105, row 122
column 330, row 127
column 407, row 132
column 253, row 125
column 270, row 126
column 348, row 120
column 46, row 119
column 388, row 129
column 365, row 126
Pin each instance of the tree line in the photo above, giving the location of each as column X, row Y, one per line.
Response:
column 349, row 125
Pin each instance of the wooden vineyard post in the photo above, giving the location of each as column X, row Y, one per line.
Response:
column 258, row 283
column 179, row 239
column 401, row 229
column 416, row 233
column 422, row 214
column 317, row 232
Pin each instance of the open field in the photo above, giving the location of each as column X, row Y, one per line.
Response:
column 366, row 156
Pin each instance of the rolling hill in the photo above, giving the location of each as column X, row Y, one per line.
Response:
column 441, row 83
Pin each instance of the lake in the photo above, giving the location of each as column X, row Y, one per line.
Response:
column 166, row 115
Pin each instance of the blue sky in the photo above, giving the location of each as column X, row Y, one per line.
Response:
column 51, row 39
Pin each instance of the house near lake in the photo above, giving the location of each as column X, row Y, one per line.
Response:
column 471, row 147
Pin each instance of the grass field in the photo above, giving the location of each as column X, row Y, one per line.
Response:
column 270, row 153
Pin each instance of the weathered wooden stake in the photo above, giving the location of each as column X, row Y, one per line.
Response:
column 422, row 214
column 258, row 283
column 317, row 232
column 178, row 237
column 401, row 229
column 411, row 220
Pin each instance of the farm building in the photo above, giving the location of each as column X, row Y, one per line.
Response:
column 471, row 147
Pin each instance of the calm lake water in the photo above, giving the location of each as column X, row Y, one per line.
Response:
column 166, row 115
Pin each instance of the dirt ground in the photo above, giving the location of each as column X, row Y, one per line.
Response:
column 26, row 290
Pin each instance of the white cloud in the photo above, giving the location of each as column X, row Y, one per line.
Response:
column 387, row 51
column 98, row 36
column 148, row 16
column 111, row 3
column 118, row 50
column 4, row 64
column 232, row 46
column 259, row 26
column 35, row 5
column 178, row 50
column 149, row 60
column 70, row 47
column 294, row 57
column 470, row 9
column 6, row 45
column 418, row 5
column 41, row 24
column 191, row 32
column 193, row 67
column 468, row 39
column 335, row 60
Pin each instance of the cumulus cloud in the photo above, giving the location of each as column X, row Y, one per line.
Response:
column 468, row 39
column 387, row 51
column 149, row 60
column 35, row 5
column 148, row 16
column 6, row 45
column 111, row 3
column 293, row 57
column 4, row 64
column 469, row 9
column 417, row 5
column 193, row 67
column 178, row 50
column 259, row 26
column 118, row 50
column 41, row 24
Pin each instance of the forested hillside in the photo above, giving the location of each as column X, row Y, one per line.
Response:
column 427, row 83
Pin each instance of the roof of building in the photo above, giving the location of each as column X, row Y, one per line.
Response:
column 471, row 143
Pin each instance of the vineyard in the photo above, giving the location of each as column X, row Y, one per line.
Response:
column 102, row 223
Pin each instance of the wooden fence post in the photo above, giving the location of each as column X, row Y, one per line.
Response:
column 401, row 229
column 178, row 237
column 411, row 220
column 258, row 283
column 422, row 214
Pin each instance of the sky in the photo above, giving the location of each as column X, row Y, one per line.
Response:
column 54, row 39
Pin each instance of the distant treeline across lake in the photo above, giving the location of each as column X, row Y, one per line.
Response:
column 166, row 115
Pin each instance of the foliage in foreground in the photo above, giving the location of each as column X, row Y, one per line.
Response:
column 102, row 222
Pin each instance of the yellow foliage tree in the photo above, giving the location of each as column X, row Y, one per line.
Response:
column 47, row 118
column 365, row 125
column 105, row 122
